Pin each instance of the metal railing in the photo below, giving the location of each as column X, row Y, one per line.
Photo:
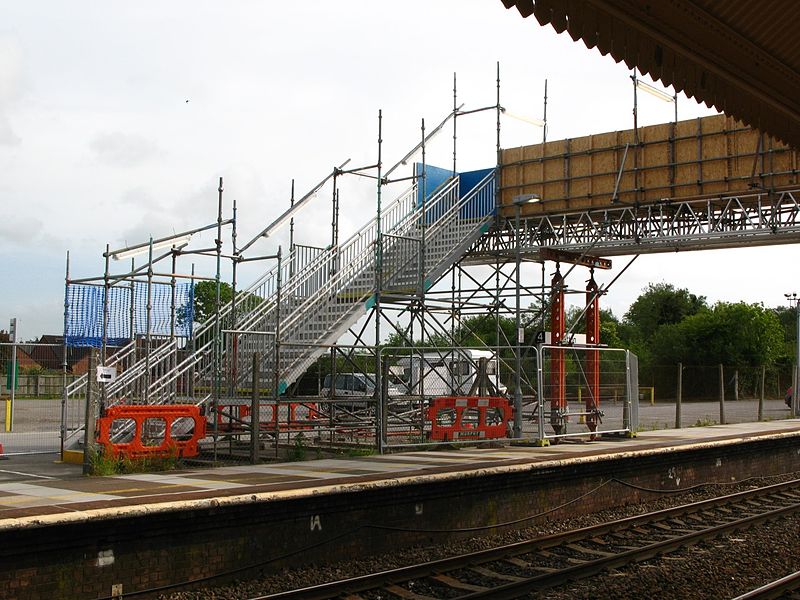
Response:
column 315, row 294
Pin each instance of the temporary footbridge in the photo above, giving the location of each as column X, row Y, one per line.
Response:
column 705, row 183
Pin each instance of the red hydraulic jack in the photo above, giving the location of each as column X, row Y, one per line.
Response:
column 558, row 374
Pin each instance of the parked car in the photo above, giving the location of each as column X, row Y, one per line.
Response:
column 350, row 385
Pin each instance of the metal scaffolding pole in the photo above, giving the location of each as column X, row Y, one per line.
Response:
column 378, row 286
column 217, row 336
column 149, row 321
column 64, row 363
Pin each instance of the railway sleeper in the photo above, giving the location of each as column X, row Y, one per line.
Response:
column 457, row 584
column 406, row 594
column 494, row 574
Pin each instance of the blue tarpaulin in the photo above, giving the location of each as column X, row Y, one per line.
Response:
column 477, row 207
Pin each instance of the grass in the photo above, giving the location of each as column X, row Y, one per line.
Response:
column 298, row 452
column 355, row 452
column 103, row 464
column 704, row 422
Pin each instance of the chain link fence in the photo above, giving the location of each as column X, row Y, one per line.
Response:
column 699, row 395
column 338, row 405
column 33, row 378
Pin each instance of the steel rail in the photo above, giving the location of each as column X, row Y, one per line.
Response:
column 393, row 577
column 563, row 576
column 773, row 589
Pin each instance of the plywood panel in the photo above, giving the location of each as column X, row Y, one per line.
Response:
column 712, row 156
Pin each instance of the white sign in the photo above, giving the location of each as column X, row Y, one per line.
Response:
column 106, row 374
column 572, row 339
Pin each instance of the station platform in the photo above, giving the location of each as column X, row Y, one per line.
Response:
column 148, row 531
column 44, row 499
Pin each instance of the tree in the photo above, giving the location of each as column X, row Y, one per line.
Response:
column 205, row 299
column 660, row 304
column 575, row 321
column 729, row 333
column 481, row 330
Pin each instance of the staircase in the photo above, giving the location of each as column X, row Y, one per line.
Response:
column 319, row 304
column 313, row 297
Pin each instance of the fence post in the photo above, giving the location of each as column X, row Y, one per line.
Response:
column 13, row 391
column 721, row 396
column 383, row 430
column 761, row 395
column 91, row 412
column 679, row 397
column 626, row 412
column 255, row 418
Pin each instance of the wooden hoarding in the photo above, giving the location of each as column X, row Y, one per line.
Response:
column 705, row 157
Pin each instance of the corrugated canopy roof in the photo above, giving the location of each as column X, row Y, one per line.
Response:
column 742, row 58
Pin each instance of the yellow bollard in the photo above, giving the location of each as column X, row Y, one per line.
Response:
column 582, row 418
column 8, row 415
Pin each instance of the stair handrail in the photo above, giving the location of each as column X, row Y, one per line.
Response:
column 116, row 358
column 356, row 266
column 330, row 261
column 161, row 353
column 353, row 266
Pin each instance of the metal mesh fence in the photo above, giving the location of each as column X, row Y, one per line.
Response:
column 712, row 394
column 586, row 390
column 338, row 405
column 32, row 409
column 702, row 382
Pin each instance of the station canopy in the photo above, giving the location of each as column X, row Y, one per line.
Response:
column 742, row 58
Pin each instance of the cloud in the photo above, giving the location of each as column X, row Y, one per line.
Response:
column 7, row 135
column 140, row 197
column 20, row 229
column 123, row 149
column 10, row 86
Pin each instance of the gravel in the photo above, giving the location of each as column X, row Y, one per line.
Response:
column 723, row 569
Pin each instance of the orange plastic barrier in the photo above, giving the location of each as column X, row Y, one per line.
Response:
column 290, row 416
column 151, row 431
column 469, row 417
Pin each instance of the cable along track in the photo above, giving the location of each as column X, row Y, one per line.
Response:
column 512, row 570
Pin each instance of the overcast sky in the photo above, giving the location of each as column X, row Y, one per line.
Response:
column 99, row 145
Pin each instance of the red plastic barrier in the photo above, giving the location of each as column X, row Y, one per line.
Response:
column 151, row 431
column 469, row 417
column 290, row 416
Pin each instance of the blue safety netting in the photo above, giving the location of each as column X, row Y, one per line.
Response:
column 84, row 318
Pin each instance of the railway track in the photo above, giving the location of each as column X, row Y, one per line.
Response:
column 513, row 570
column 785, row 587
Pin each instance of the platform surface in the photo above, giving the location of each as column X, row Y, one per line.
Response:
column 55, row 493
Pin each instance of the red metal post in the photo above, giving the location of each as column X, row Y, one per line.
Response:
column 592, row 356
column 558, row 375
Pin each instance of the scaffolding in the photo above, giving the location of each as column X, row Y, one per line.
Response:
column 443, row 294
